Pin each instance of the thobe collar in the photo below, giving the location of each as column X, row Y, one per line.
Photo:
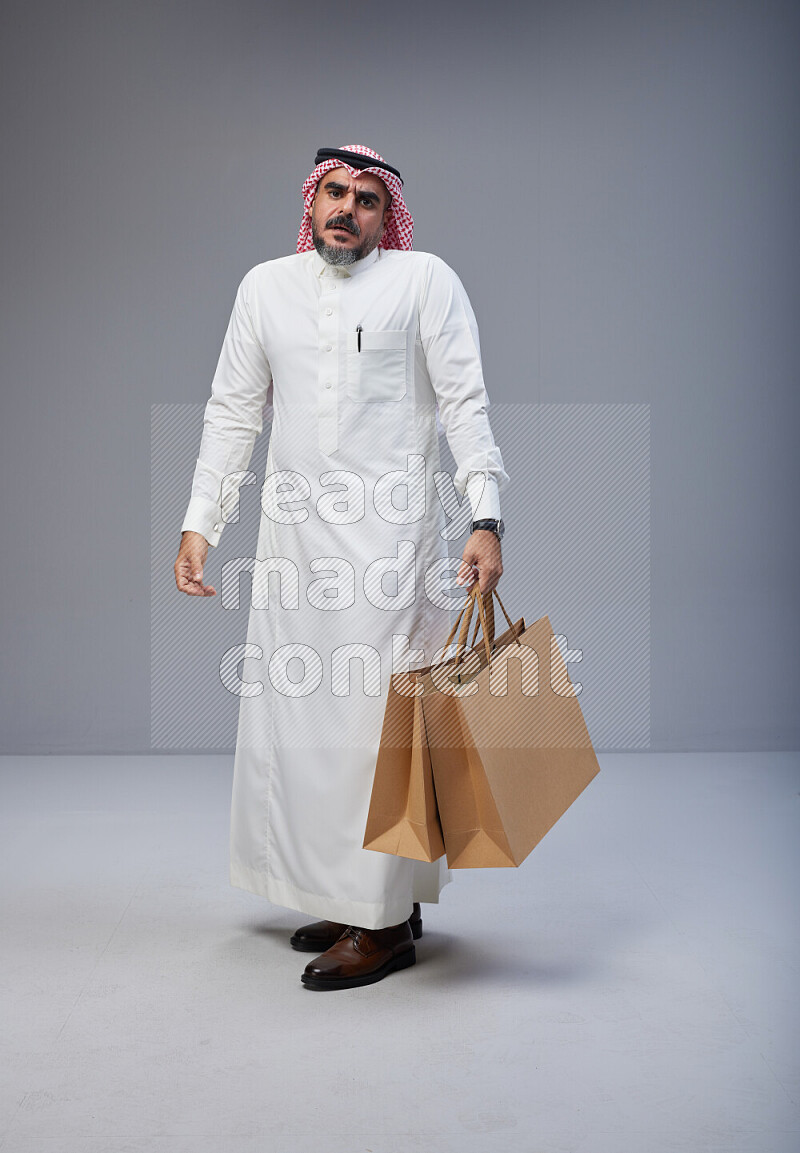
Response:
column 322, row 268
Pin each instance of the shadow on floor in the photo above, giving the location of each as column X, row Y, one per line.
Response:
column 564, row 955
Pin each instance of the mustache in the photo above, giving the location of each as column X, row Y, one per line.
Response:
column 344, row 222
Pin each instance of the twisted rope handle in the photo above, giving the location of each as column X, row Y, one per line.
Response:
column 485, row 619
column 488, row 605
column 508, row 618
column 468, row 604
column 475, row 596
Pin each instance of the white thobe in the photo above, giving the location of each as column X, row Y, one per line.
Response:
column 353, row 364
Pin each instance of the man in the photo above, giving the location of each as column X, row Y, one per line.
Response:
column 351, row 344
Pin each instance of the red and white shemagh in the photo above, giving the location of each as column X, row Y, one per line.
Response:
column 398, row 233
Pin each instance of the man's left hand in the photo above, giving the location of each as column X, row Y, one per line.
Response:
column 481, row 561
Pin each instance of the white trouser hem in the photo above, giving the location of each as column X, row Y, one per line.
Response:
column 366, row 914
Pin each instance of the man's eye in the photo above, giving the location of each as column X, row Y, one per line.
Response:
column 366, row 202
column 334, row 192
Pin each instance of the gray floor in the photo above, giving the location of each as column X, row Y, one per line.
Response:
column 632, row 988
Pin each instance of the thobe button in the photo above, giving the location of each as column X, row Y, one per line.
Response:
column 328, row 384
column 329, row 312
column 216, row 528
column 329, row 348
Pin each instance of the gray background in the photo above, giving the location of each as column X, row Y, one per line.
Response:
column 616, row 185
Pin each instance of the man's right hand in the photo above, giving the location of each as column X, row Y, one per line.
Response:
column 189, row 566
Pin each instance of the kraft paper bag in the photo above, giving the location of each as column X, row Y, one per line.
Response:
column 403, row 818
column 508, row 745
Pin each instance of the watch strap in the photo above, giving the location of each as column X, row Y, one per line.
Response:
column 489, row 525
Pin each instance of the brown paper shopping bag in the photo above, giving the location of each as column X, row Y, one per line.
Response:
column 403, row 818
column 508, row 745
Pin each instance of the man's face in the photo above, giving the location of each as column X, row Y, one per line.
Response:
column 348, row 215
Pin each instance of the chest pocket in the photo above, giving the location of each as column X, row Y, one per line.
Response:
column 379, row 371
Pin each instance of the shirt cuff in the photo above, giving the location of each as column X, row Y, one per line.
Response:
column 484, row 496
column 205, row 517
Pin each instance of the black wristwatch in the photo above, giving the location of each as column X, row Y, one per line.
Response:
column 495, row 526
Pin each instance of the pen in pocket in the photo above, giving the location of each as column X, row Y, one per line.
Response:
column 358, row 330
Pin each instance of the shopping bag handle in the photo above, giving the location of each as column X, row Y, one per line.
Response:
column 488, row 639
column 467, row 608
column 485, row 619
column 490, row 617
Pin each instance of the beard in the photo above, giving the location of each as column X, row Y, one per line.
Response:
column 343, row 256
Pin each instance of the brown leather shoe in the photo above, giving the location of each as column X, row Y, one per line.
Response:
column 320, row 935
column 317, row 937
column 361, row 957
